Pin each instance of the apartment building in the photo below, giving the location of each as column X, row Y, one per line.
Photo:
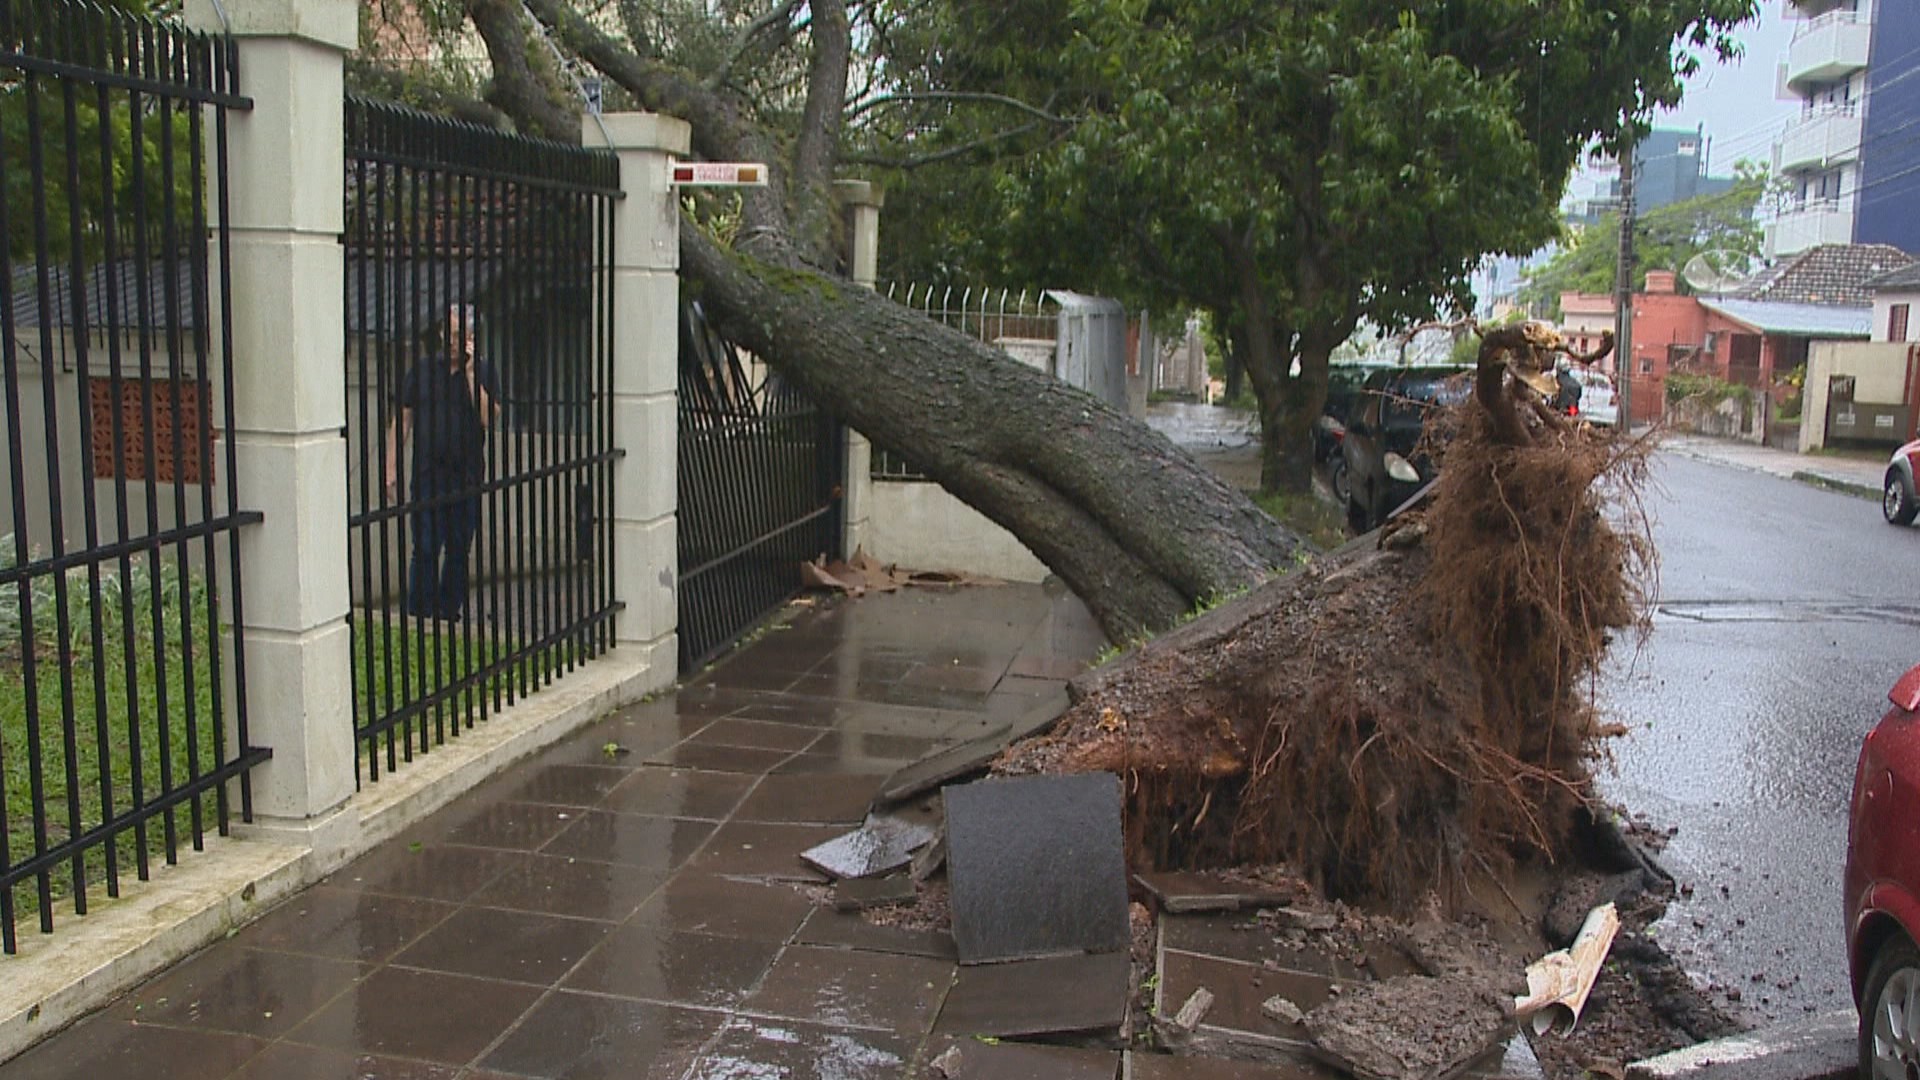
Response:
column 1890, row 135
column 1819, row 154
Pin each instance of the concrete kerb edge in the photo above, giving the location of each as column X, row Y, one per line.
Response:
column 1804, row 476
column 93, row 959
column 1842, row 486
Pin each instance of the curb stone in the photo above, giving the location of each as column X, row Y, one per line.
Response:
column 1842, row 486
column 1822, row 1047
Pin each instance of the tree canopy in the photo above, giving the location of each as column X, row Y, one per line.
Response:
column 1664, row 238
column 1292, row 169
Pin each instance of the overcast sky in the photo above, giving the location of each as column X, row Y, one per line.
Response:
column 1736, row 100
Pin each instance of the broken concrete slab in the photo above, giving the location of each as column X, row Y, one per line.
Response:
column 1282, row 1010
column 928, row 860
column 1036, row 867
column 881, row 846
column 859, row 894
column 1302, row 919
column 970, row 1059
column 1186, row 892
column 971, row 756
column 1060, row 995
column 1413, row 1027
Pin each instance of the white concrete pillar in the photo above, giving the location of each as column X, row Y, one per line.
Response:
column 861, row 201
column 646, row 374
column 285, row 171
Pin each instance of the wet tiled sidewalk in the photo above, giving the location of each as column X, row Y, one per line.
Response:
column 629, row 904
column 621, row 905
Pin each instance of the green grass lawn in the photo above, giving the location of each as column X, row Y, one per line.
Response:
column 1305, row 513
column 128, row 724
column 398, row 660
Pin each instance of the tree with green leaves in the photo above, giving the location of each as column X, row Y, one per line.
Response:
column 79, row 160
column 1290, row 168
column 1298, row 169
column 1665, row 238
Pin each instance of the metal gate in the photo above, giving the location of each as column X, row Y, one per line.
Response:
column 480, row 423
column 761, row 475
column 122, row 689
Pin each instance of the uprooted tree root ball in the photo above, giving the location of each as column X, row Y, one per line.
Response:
column 1398, row 718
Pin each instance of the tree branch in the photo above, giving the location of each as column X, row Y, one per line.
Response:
column 958, row 95
column 721, row 130
column 519, row 88
column 819, row 138
column 781, row 15
column 935, row 157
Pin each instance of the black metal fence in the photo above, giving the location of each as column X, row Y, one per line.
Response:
column 760, row 486
column 122, row 685
column 480, row 423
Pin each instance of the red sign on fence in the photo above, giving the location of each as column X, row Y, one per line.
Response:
column 719, row 174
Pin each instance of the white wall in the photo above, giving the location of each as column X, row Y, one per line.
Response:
column 1883, row 302
column 920, row 526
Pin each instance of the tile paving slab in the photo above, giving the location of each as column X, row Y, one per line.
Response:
column 1039, row 997
column 581, row 1035
column 971, row 1059
column 591, row 913
column 829, row 927
column 880, row 846
column 749, row 1049
column 1036, row 866
column 843, row 988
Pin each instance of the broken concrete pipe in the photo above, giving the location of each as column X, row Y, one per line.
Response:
column 1559, row 982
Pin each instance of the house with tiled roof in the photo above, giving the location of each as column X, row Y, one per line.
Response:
column 1829, row 274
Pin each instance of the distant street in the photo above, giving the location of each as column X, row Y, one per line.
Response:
column 1785, row 615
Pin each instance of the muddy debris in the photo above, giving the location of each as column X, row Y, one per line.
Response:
column 1410, row 1027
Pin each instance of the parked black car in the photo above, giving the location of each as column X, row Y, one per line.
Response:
column 1343, row 388
column 1383, row 431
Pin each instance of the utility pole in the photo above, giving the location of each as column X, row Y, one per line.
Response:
column 1623, row 292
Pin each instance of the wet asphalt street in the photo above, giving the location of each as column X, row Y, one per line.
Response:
column 1785, row 614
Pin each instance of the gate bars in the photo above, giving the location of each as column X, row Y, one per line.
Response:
column 508, row 239
column 122, row 683
column 760, row 487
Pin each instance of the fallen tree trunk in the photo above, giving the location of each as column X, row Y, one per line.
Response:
column 1399, row 718
column 1132, row 524
column 1136, row 527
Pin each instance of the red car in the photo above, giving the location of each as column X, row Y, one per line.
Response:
column 1883, row 888
column 1900, row 493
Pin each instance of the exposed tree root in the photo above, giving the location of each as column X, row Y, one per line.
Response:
column 1397, row 719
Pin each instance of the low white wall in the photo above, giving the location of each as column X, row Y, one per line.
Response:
column 920, row 527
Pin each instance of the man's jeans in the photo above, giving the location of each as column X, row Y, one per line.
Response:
column 443, row 529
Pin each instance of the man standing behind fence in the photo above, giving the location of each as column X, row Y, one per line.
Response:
column 447, row 401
